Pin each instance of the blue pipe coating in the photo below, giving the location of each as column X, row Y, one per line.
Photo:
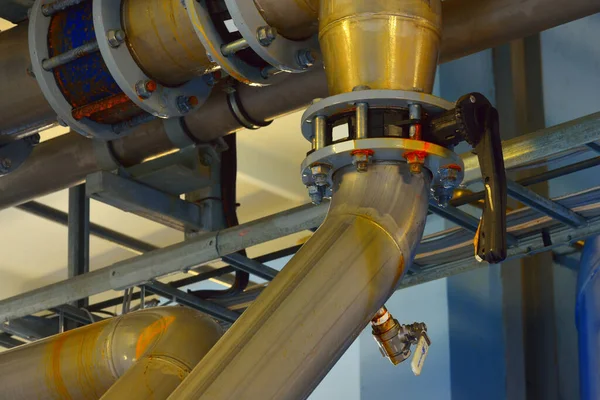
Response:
column 587, row 315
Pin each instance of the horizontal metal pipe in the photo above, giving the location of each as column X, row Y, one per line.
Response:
column 26, row 105
column 179, row 257
column 26, row 108
column 127, row 242
column 307, row 317
column 540, row 145
column 470, row 26
column 140, row 355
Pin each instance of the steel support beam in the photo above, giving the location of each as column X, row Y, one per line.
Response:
column 178, row 296
column 540, row 145
column 134, row 197
column 139, row 270
column 51, row 214
column 79, row 234
column 250, row 266
column 544, row 205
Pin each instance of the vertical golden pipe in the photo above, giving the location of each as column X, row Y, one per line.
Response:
column 163, row 42
column 382, row 44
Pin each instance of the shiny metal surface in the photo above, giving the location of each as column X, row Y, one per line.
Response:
column 339, row 155
column 176, row 258
column 344, row 102
column 163, row 42
column 141, row 355
column 26, row 107
column 389, row 44
column 287, row 341
column 540, row 145
column 495, row 22
column 293, row 19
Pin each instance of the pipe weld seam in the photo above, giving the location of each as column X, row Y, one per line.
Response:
column 420, row 21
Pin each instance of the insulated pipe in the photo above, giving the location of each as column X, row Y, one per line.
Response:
column 468, row 26
column 162, row 40
column 142, row 355
column 306, row 318
column 214, row 118
column 22, row 105
column 380, row 44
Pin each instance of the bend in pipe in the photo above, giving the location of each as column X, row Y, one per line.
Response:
column 147, row 354
column 308, row 316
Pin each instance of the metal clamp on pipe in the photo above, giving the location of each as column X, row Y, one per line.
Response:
column 237, row 109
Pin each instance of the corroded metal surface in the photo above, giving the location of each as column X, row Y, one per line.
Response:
column 125, row 354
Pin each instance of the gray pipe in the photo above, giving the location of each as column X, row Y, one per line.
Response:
column 23, row 108
column 142, row 355
column 307, row 317
column 44, row 173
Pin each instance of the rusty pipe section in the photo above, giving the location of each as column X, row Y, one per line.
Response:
column 381, row 44
column 142, row 355
column 307, row 317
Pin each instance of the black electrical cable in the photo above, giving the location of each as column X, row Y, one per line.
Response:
column 228, row 196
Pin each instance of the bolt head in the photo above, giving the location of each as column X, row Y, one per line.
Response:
column 115, row 37
column 416, row 168
column 306, row 58
column 448, row 177
column 361, row 162
column 145, row 88
column 473, row 99
column 266, row 35
column 315, row 195
column 5, row 164
column 320, row 169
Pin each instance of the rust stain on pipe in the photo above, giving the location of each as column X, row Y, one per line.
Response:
column 150, row 334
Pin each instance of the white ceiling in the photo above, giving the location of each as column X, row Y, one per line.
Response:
column 33, row 251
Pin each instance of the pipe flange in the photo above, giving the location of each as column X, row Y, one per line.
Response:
column 158, row 100
column 388, row 99
column 39, row 25
column 435, row 158
column 282, row 53
column 213, row 42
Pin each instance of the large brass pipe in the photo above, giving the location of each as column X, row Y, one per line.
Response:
column 307, row 317
column 142, row 355
column 47, row 171
column 468, row 26
column 382, row 44
column 162, row 40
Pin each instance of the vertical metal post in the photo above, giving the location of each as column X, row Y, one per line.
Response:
column 320, row 132
column 362, row 114
column 79, row 238
column 521, row 105
column 142, row 297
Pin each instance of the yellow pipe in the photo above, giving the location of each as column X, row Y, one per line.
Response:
column 306, row 318
column 163, row 42
column 382, row 44
column 142, row 355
